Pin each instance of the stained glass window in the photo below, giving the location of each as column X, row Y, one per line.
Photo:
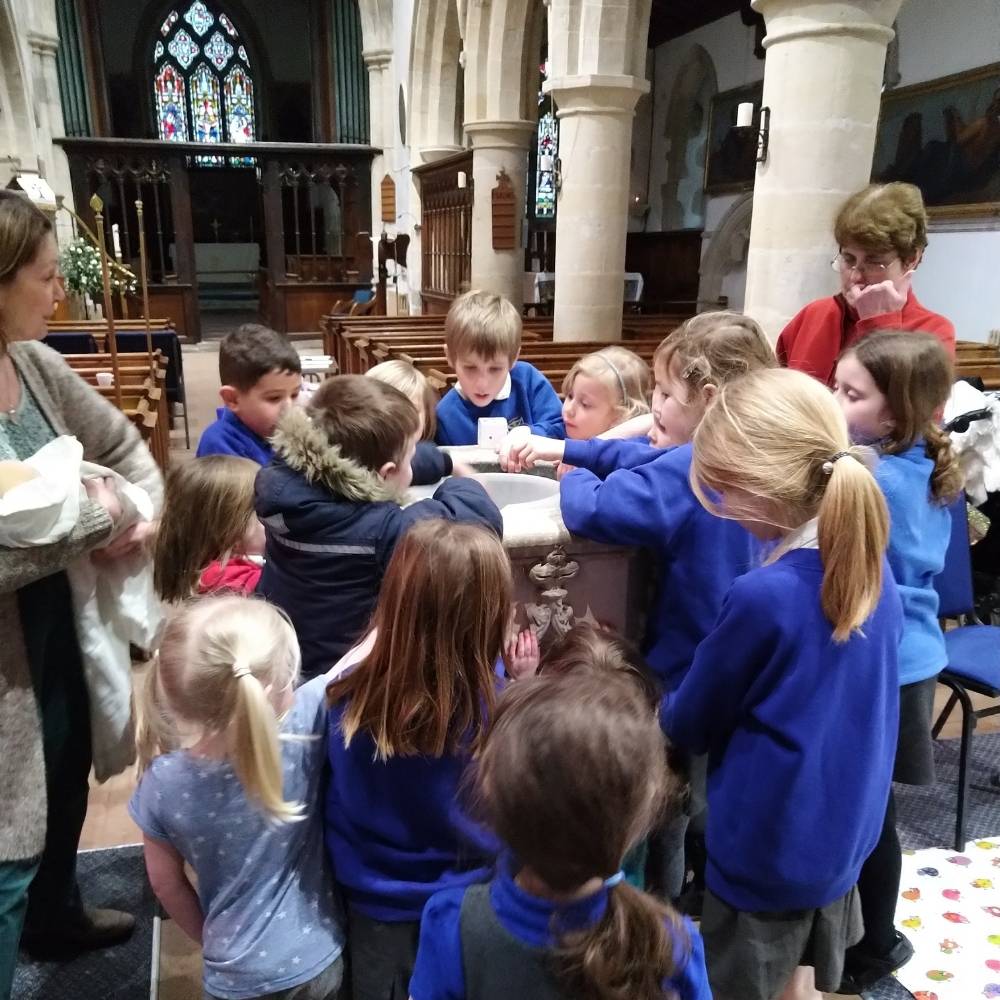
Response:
column 183, row 48
column 199, row 17
column 218, row 50
column 545, row 176
column 171, row 115
column 200, row 94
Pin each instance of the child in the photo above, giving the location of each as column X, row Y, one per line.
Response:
column 890, row 386
column 402, row 726
column 430, row 463
column 590, row 647
column 209, row 532
column 572, row 775
column 794, row 693
column 261, row 374
column 603, row 390
column 233, row 764
column 330, row 503
column 482, row 335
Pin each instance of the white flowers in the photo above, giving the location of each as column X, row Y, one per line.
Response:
column 80, row 264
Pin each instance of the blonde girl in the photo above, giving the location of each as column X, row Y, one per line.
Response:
column 793, row 693
column 402, row 726
column 571, row 776
column 890, row 386
column 209, row 532
column 603, row 390
column 232, row 760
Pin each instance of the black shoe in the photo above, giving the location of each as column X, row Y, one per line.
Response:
column 863, row 973
column 93, row 929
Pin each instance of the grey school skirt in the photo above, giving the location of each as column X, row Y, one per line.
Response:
column 915, row 748
column 751, row 956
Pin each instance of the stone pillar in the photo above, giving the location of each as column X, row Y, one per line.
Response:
column 378, row 62
column 498, row 145
column 595, row 115
column 823, row 84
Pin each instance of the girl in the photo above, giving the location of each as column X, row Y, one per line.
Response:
column 402, row 727
column 793, row 694
column 590, row 647
column 602, row 390
column 571, row 776
column 233, row 763
column 890, row 386
column 209, row 531
column 430, row 464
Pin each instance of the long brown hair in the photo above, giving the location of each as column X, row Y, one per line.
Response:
column 216, row 658
column 206, row 513
column 571, row 776
column 780, row 438
column 23, row 228
column 441, row 622
column 915, row 374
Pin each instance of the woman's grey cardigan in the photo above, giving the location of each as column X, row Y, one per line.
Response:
column 108, row 438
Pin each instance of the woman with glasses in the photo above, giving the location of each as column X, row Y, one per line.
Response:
column 882, row 233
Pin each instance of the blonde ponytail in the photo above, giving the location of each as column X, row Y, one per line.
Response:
column 221, row 662
column 778, row 439
column 853, row 534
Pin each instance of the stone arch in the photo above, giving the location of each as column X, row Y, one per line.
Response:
column 17, row 122
column 435, row 49
column 686, row 131
column 724, row 261
column 376, row 24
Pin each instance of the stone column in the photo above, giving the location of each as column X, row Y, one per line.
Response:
column 823, row 84
column 595, row 115
column 498, row 145
column 378, row 62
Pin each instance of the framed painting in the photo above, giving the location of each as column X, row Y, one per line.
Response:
column 731, row 162
column 944, row 136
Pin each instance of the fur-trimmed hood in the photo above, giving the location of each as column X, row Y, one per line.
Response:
column 305, row 449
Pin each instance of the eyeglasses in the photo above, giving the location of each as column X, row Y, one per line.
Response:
column 871, row 270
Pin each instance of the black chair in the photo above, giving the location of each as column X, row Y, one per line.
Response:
column 72, row 343
column 973, row 652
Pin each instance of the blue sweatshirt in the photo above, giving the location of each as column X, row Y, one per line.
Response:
column 919, row 532
column 439, row 973
column 230, row 436
column 528, row 400
column 651, row 504
column 801, row 736
column 396, row 832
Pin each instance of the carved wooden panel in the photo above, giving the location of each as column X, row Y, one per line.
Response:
column 504, row 216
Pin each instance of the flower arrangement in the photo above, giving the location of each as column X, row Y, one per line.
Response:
column 80, row 263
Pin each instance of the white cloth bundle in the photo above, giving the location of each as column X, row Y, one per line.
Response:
column 977, row 448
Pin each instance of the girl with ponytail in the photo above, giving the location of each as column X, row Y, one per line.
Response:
column 794, row 693
column 891, row 386
column 571, row 776
column 232, row 759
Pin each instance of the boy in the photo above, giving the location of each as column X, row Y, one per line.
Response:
column 261, row 374
column 482, row 335
column 330, row 503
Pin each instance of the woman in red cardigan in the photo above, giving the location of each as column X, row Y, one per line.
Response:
column 882, row 233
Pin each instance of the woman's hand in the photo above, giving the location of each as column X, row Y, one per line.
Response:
column 129, row 542
column 524, row 454
column 878, row 300
column 522, row 654
column 103, row 493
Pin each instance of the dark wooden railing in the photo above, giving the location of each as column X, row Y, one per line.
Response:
column 315, row 203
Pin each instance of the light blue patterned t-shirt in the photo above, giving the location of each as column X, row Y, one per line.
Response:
column 271, row 918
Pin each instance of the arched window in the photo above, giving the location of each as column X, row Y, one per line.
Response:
column 546, row 154
column 203, row 88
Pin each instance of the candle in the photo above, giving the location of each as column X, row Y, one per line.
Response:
column 116, row 241
column 744, row 115
column 462, row 179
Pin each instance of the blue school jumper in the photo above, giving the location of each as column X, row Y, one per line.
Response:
column 801, row 736
column 651, row 504
column 230, row 436
column 450, row 966
column 527, row 399
column 919, row 532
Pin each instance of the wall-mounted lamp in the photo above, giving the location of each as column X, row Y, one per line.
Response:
column 557, row 174
column 764, row 135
